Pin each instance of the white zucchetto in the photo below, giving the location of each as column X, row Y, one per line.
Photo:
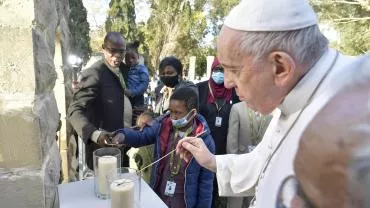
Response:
column 271, row 15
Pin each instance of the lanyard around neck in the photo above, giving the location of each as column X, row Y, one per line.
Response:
column 175, row 161
column 187, row 132
column 218, row 108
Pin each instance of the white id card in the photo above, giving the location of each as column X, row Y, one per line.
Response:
column 170, row 188
column 218, row 121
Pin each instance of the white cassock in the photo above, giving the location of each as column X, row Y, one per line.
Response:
column 241, row 175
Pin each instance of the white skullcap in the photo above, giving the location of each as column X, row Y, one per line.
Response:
column 271, row 15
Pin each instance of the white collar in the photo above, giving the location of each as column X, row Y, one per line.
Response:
column 299, row 95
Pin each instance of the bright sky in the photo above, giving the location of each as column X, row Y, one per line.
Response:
column 97, row 11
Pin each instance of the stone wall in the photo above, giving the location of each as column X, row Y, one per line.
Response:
column 29, row 156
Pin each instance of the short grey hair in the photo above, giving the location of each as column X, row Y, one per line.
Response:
column 305, row 45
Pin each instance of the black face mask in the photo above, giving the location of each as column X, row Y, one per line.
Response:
column 170, row 81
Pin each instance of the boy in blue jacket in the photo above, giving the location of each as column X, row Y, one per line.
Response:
column 177, row 183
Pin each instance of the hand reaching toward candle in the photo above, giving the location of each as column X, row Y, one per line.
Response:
column 118, row 139
column 104, row 138
column 192, row 146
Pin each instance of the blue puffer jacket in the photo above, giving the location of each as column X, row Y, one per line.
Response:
column 138, row 79
column 198, row 180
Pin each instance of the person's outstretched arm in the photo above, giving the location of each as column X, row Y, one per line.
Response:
column 137, row 138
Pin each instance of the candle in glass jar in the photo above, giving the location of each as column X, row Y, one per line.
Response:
column 122, row 194
column 107, row 168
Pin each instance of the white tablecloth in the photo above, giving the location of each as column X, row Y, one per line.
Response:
column 81, row 194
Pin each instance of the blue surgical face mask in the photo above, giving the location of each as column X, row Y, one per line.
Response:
column 218, row 77
column 179, row 123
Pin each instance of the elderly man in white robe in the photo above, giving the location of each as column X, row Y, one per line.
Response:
column 277, row 59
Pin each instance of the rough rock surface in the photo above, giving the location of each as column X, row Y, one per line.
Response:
column 29, row 155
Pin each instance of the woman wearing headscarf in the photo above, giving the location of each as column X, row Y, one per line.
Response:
column 215, row 103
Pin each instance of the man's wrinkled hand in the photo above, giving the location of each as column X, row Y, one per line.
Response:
column 105, row 138
column 118, row 139
column 194, row 147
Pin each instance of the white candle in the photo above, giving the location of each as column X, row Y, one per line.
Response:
column 107, row 167
column 123, row 194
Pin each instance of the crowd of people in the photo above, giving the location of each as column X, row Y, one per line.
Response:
column 282, row 121
column 109, row 91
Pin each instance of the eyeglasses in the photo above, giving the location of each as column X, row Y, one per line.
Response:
column 291, row 195
column 115, row 50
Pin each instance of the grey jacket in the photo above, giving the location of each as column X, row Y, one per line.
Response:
column 246, row 128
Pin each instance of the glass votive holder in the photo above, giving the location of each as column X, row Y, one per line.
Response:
column 125, row 189
column 107, row 162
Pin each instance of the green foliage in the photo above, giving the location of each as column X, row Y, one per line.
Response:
column 97, row 39
column 121, row 18
column 201, row 62
column 218, row 11
column 351, row 18
column 179, row 27
column 79, row 30
column 176, row 27
column 355, row 38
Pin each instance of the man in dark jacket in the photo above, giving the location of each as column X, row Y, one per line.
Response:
column 98, row 104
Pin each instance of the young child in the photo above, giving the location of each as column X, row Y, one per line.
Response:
column 177, row 183
column 138, row 76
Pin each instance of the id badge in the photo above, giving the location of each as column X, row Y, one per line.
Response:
column 170, row 188
column 218, row 121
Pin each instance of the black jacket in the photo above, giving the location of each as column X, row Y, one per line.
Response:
column 209, row 111
column 97, row 104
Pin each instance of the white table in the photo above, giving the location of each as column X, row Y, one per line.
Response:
column 81, row 194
